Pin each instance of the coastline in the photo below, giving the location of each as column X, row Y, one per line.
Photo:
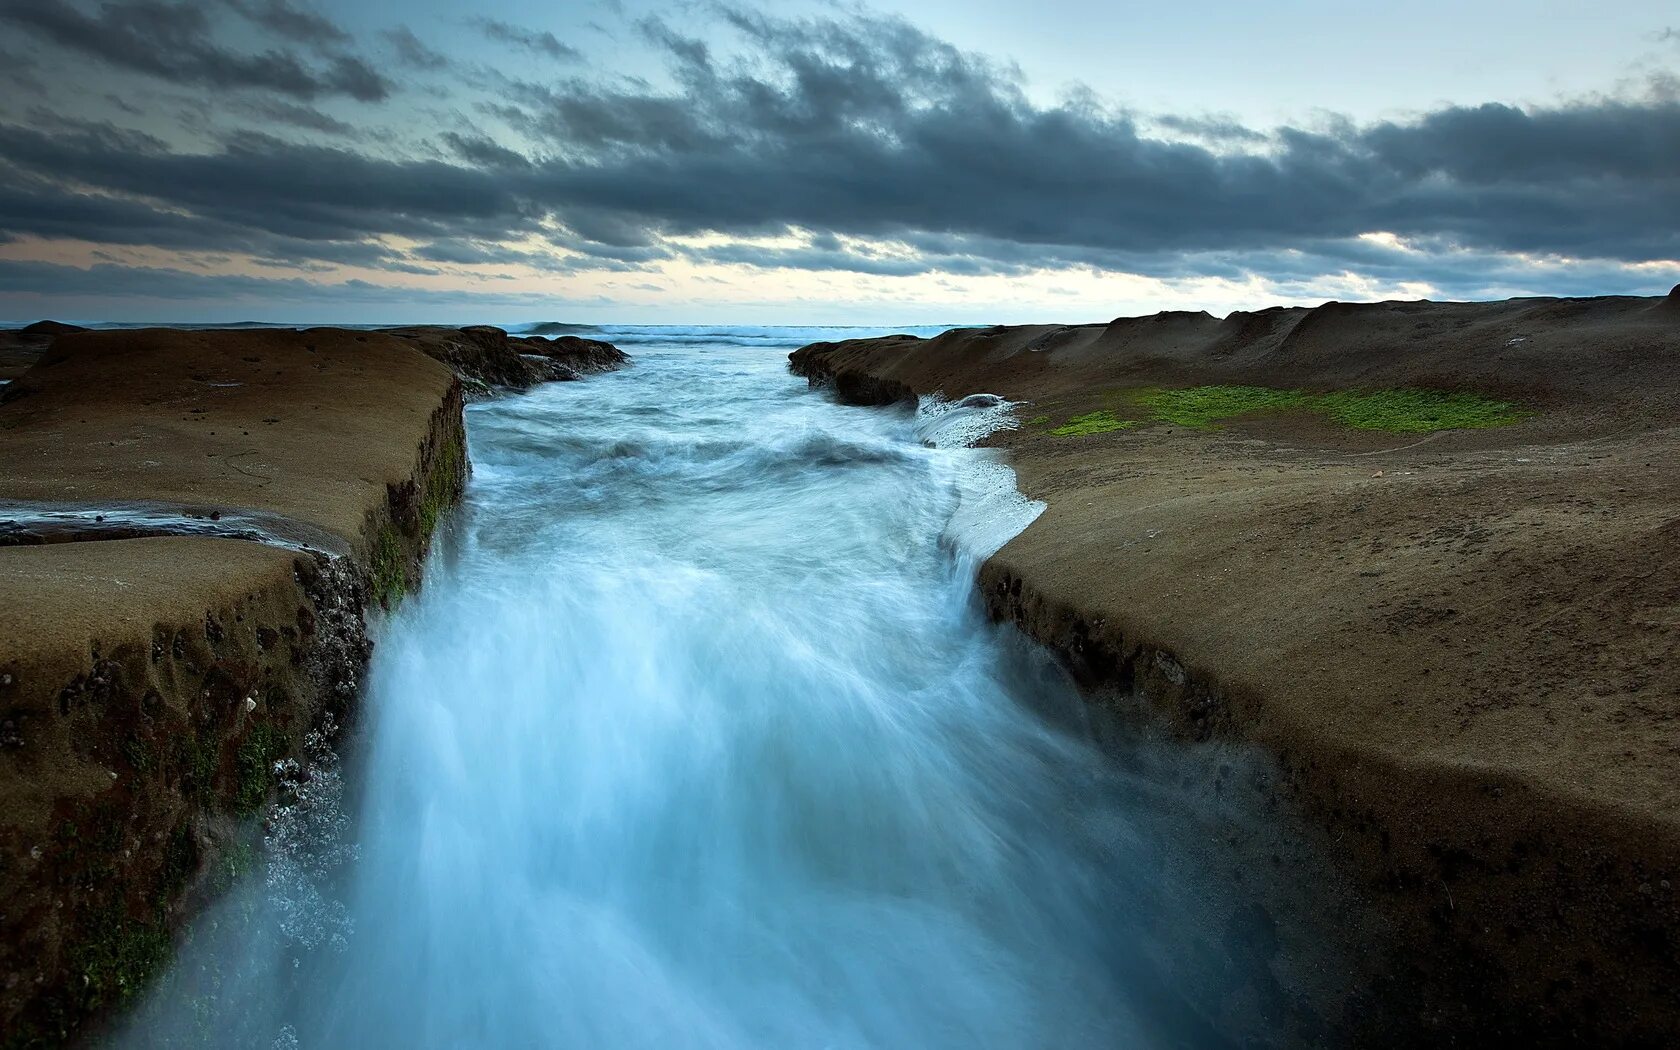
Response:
column 242, row 500
column 1271, row 580
column 1436, row 635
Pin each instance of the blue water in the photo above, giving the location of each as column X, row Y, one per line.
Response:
column 697, row 736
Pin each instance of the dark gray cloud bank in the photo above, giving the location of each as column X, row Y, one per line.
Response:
column 176, row 41
column 889, row 151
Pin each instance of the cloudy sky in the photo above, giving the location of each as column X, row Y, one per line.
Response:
column 818, row 162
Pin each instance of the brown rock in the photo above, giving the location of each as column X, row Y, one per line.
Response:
column 1469, row 668
column 148, row 684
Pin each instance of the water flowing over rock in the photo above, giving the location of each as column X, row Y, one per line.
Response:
column 697, row 736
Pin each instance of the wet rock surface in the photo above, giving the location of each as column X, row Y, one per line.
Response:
column 488, row 357
column 22, row 347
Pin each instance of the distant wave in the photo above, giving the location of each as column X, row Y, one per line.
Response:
column 788, row 337
column 785, row 337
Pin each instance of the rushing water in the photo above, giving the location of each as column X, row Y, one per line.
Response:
column 698, row 737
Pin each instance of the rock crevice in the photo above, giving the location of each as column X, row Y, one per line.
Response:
column 150, row 684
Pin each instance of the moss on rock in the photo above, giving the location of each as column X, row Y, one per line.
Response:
column 1101, row 422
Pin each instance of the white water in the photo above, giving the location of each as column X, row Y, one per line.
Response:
column 697, row 737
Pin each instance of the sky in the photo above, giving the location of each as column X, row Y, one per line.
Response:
column 801, row 162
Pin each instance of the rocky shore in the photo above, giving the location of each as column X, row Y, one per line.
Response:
column 22, row 347
column 199, row 522
column 1424, row 554
column 487, row 357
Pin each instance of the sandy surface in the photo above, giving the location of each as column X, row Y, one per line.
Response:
column 312, row 425
column 1465, row 647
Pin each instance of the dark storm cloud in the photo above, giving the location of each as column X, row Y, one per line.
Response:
column 124, row 104
column 874, row 128
column 113, row 280
column 820, row 257
column 543, row 43
column 19, row 70
column 869, row 129
column 176, row 42
column 413, row 52
column 480, row 253
column 1602, row 179
column 295, row 115
column 265, row 184
column 1212, row 129
column 482, row 152
column 41, row 209
column 292, row 21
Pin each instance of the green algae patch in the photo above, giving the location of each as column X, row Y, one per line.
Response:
column 1036, row 421
column 237, row 859
column 198, row 756
column 255, row 761
column 389, row 578
column 1417, row 411
column 1101, row 422
column 118, row 961
column 443, row 483
column 1201, row 407
column 1401, row 411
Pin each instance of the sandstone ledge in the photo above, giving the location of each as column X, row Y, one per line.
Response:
column 148, row 685
column 1462, row 650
